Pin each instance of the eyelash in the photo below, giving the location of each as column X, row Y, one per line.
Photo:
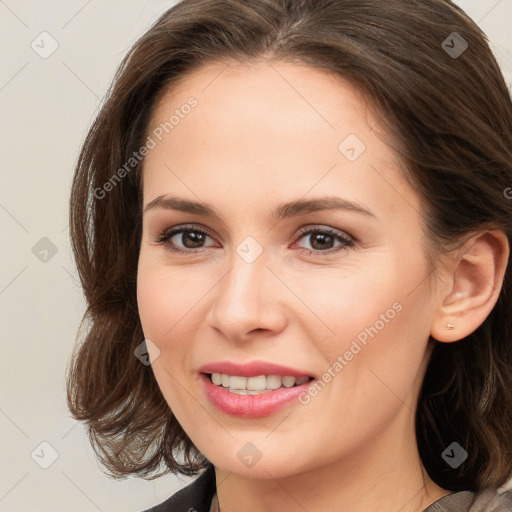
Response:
column 164, row 236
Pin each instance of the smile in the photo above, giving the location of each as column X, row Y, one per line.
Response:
column 255, row 385
column 238, row 400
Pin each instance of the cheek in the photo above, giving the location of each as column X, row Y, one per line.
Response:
column 161, row 307
column 164, row 297
column 356, row 301
column 153, row 301
column 172, row 308
column 375, row 317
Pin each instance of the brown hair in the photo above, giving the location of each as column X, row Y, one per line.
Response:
column 449, row 118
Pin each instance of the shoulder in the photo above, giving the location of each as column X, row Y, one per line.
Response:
column 197, row 495
column 487, row 500
column 490, row 500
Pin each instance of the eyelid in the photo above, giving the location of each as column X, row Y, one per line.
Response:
column 348, row 240
column 180, row 228
column 321, row 227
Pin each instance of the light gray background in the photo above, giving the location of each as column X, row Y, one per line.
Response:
column 46, row 107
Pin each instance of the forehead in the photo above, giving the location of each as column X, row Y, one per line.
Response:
column 288, row 127
column 263, row 90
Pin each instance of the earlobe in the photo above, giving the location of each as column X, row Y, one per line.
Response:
column 475, row 285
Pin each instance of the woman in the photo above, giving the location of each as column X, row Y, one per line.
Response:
column 292, row 222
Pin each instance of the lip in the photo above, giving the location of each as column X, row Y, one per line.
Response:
column 251, row 406
column 252, row 369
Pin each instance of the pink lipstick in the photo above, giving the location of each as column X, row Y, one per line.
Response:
column 253, row 389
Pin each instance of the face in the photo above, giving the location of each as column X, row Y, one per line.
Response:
column 265, row 271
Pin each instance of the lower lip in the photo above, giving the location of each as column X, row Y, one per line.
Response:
column 251, row 406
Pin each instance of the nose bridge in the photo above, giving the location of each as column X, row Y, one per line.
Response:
column 245, row 285
column 244, row 300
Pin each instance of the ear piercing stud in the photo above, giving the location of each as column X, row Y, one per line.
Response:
column 450, row 326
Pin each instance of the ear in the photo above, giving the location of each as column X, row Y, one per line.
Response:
column 472, row 286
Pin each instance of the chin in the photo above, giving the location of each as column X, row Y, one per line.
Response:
column 274, row 463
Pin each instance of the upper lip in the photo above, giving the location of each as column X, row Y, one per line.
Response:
column 251, row 369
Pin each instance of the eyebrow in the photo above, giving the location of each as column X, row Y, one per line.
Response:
column 286, row 210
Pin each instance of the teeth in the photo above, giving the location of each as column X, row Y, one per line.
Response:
column 247, row 391
column 237, row 382
column 288, row 382
column 255, row 385
column 273, row 382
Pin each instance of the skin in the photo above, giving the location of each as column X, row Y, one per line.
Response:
column 261, row 135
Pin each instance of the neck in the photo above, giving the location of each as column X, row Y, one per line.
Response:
column 384, row 475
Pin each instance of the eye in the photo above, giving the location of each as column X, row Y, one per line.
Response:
column 191, row 238
column 322, row 240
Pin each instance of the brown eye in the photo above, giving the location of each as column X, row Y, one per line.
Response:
column 322, row 241
column 183, row 239
column 192, row 239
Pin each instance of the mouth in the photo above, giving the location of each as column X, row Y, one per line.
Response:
column 256, row 385
column 253, row 388
column 253, row 396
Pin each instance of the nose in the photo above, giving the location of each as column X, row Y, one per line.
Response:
column 247, row 301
